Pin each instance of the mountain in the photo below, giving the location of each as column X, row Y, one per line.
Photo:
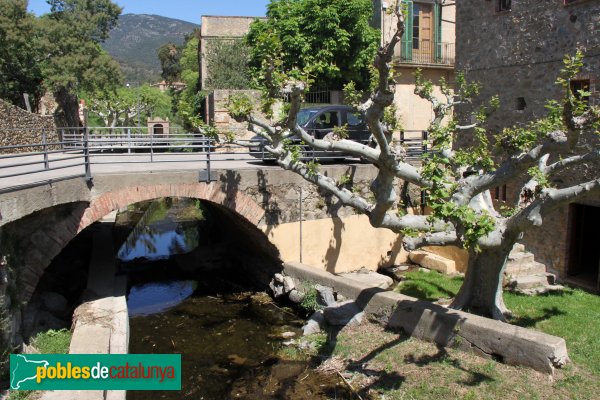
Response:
column 137, row 38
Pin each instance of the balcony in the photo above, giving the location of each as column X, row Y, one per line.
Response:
column 425, row 53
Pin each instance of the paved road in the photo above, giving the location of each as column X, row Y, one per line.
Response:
column 68, row 164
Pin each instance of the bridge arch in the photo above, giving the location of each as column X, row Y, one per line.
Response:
column 54, row 227
column 234, row 200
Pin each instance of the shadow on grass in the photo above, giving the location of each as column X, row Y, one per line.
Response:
column 425, row 290
column 528, row 322
column 442, row 357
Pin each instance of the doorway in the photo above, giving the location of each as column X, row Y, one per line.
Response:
column 584, row 248
column 423, row 32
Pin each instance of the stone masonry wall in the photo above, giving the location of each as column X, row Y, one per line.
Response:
column 18, row 126
column 218, row 102
column 518, row 55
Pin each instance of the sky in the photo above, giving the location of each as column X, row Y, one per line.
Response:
column 187, row 10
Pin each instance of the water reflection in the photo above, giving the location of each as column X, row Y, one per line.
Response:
column 162, row 232
column 154, row 298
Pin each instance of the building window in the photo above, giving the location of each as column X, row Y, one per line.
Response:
column 580, row 86
column 504, row 5
column 416, row 25
column 521, row 104
column 500, row 193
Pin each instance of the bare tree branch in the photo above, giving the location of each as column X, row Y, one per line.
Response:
column 567, row 162
column 431, row 239
column 549, row 200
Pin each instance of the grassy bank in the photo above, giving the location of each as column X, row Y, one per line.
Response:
column 380, row 364
column 571, row 314
column 49, row 342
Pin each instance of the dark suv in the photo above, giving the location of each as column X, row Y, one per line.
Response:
column 319, row 122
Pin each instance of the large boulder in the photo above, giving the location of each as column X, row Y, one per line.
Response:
column 315, row 324
column 346, row 313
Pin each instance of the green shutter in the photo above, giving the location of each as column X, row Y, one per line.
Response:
column 437, row 18
column 407, row 40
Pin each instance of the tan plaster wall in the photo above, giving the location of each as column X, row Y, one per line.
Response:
column 415, row 112
column 338, row 245
column 449, row 24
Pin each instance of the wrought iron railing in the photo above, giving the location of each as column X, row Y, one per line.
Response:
column 425, row 52
column 80, row 151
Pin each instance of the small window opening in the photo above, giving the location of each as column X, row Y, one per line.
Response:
column 504, row 5
column 521, row 104
column 581, row 85
column 500, row 193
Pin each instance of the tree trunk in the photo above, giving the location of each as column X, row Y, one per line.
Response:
column 67, row 113
column 481, row 292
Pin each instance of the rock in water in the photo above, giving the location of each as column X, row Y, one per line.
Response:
column 315, row 323
column 325, row 296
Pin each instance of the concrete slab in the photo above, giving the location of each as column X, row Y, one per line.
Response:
column 431, row 322
column 433, row 261
column 372, row 279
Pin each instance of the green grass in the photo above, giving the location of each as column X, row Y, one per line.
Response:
column 52, row 342
column 571, row 314
column 49, row 342
column 383, row 364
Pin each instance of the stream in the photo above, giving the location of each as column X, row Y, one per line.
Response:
column 236, row 343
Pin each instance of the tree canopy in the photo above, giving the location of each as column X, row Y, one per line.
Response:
column 72, row 57
column 169, row 55
column 227, row 65
column 331, row 40
column 59, row 52
column 457, row 181
column 128, row 106
column 19, row 68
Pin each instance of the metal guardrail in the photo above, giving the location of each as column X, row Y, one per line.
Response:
column 77, row 151
column 425, row 52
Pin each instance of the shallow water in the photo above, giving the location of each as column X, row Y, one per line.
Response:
column 230, row 340
column 230, row 350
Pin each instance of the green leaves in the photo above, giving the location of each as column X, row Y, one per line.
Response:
column 240, row 106
column 227, row 64
column 312, row 168
column 540, row 177
column 340, row 132
column 330, row 40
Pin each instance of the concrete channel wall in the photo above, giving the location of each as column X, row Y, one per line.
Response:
column 427, row 321
column 101, row 324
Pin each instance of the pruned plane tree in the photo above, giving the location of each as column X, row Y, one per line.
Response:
column 457, row 180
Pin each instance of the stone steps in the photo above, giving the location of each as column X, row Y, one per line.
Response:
column 525, row 275
column 532, row 268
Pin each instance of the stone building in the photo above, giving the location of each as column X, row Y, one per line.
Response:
column 515, row 49
column 428, row 44
column 214, row 28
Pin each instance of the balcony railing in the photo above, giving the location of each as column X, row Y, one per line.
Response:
column 425, row 52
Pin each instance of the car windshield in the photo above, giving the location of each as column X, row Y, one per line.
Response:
column 304, row 116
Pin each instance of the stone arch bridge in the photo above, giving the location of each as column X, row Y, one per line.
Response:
column 38, row 222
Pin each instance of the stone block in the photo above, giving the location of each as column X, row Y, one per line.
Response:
column 431, row 322
column 433, row 262
column 371, row 278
